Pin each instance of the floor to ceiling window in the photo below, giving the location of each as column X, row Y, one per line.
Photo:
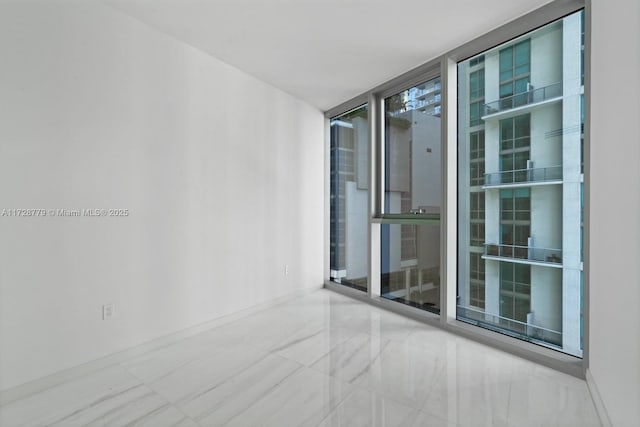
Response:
column 531, row 210
column 497, row 168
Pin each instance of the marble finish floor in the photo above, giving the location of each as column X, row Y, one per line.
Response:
column 319, row 360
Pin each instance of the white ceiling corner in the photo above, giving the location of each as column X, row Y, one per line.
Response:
column 325, row 51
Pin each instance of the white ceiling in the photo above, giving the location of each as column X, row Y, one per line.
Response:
column 325, row 51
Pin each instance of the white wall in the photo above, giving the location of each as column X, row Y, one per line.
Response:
column 546, row 203
column 615, row 208
column 546, row 54
column 222, row 175
column 546, row 151
column 546, row 297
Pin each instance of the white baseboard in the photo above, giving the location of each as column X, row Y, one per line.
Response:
column 597, row 400
column 40, row 384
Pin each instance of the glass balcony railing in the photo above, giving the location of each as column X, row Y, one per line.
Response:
column 525, row 98
column 527, row 253
column 423, row 103
column 553, row 173
column 523, row 330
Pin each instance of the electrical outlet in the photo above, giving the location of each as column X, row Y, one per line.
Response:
column 108, row 311
column 286, row 269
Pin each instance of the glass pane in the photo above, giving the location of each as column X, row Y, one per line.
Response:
column 410, row 265
column 506, row 129
column 520, row 87
column 506, row 59
column 522, row 53
column 349, row 198
column 521, row 125
column 521, row 69
column 474, row 114
column 506, row 163
column 532, row 246
column 521, row 235
column 410, row 248
column 506, row 271
column 520, row 160
column 522, row 273
column 506, row 90
column 473, row 83
column 412, row 150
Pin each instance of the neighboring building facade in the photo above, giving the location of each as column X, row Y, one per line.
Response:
column 520, row 186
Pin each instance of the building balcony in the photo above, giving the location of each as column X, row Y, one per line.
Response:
column 421, row 93
column 524, row 177
column 423, row 103
column 523, row 254
column 523, row 330
column 520, row 101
